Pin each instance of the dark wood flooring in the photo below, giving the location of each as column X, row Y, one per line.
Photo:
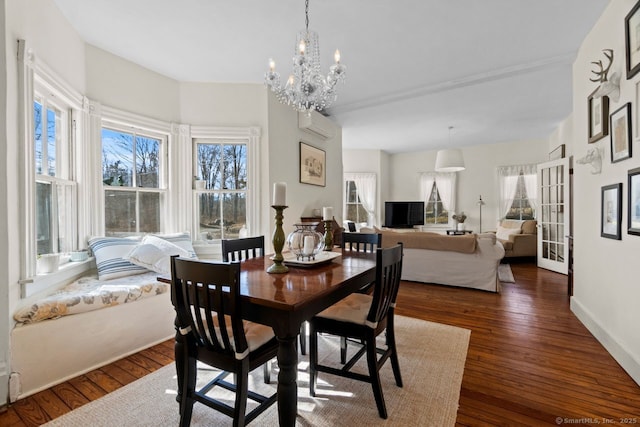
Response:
column 530, row 361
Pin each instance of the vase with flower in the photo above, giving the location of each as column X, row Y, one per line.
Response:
column 459, row 219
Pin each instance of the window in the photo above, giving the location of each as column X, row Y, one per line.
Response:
column 222, row 204
column 354, row 210
column 435, row 213
column 520, row 208
column 55, row 189
column 438, row 191
column 518, row 191
column 132, row 166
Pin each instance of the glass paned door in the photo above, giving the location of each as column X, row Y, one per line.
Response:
column 553, row 217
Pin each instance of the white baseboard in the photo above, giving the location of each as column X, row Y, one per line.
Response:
column 617, row 351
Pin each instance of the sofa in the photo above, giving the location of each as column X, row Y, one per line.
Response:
column 519, row 238
column 469, row 261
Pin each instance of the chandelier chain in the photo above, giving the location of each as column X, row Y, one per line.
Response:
column 306, row 15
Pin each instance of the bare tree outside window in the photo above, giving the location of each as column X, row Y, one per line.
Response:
column 223, row 203
column 131, row 165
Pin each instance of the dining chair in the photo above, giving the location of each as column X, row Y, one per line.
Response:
column 206, row 298
column 241, row 249
column 363, row 317
column 359, row 242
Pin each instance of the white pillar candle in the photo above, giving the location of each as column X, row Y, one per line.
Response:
column 327, row 213
column 279, row 194
column 309, row 245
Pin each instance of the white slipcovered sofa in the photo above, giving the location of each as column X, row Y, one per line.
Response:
column 469, row 261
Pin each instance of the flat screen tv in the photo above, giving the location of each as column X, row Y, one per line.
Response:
column 403, row 214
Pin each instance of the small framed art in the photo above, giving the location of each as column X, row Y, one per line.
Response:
column 632, row 40
column 557, row 153
column 312, row 165
column 621, row 133
column 598, row 117
column 611, row 211
column 633, row 210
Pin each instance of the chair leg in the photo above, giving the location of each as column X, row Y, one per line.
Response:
column 189, row 385
column 343, row 350
column 313, row 360
column 372, row 362
column 391, row 343
column 266, row 370
column 242, row 387
column 303, row 338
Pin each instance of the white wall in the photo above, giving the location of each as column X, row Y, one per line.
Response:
column 4, row 230
column 284, row 166
column 606, row 289
column 400, row 180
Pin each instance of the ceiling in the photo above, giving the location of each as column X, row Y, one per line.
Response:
column 495, row 70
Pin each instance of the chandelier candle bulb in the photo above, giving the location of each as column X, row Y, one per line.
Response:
column 336, row 56
column 327, row 213
column 279, row 194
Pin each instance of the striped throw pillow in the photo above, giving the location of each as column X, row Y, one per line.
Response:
column 110, row 253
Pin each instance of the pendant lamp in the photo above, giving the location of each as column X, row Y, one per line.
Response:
column 449, row 160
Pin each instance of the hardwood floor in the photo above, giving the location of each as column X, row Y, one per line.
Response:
column 530, row 361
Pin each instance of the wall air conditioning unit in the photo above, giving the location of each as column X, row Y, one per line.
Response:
column 316, row 124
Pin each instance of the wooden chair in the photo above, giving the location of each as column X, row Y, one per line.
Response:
column 241, row 249
column 360, row 242
column 363, row 317
column 206, row 297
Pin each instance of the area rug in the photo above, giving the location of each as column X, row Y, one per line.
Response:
column 505, row 274
column 432, row 358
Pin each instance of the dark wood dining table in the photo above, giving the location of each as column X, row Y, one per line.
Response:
column 284, row 301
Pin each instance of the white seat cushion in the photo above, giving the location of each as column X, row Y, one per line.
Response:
column 354, row 309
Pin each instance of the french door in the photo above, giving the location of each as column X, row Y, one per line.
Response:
column 553, row 215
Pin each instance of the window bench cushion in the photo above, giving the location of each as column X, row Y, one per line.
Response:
column 88, row 293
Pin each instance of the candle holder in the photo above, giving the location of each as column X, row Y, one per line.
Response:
column 328, row 235
column 278, row 243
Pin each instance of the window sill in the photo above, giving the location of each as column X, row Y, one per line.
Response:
column 66, row 273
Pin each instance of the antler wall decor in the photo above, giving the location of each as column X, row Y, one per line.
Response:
column 608, row 86
column 593, row 158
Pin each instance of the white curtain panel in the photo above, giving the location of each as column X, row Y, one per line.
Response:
column 446, row 183
column 508, row 182
column 426, row 185
column 366, row 186
column 530, row 175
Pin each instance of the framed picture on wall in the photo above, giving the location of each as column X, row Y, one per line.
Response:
column 632, row 40
column 611, row 211
column 312, row 165
column 598, row 117
column 633, row 209
column 621, row 133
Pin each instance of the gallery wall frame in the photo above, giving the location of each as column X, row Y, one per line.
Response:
column 611, row 211
column 620, row 126
column 313, row 165
column 633, row 206
column 598, row 122
column 632, row 40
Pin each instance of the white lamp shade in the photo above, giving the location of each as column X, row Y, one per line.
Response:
column 449, row 160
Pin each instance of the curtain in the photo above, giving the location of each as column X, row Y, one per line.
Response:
column 530, row 176
column 446, row 184
column 508, row 184
column 366, row 187
column 426, row 185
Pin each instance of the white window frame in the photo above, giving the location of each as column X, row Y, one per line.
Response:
column 129, row 123
column 250, row 136
column 35, row 77
column 365, row 179
column 508, row 180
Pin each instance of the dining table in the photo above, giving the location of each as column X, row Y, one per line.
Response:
column 285, row 300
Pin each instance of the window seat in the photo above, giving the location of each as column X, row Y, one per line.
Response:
column 85, row 325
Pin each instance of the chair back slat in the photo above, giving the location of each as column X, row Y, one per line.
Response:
column 361, row 242
column 206, row 297
column 241, row 249
column 388, row 273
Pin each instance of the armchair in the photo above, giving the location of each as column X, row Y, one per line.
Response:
column 519, row 238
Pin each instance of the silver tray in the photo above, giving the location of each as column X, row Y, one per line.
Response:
column 322, row 258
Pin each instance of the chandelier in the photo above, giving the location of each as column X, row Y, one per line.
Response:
column 306, row 89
